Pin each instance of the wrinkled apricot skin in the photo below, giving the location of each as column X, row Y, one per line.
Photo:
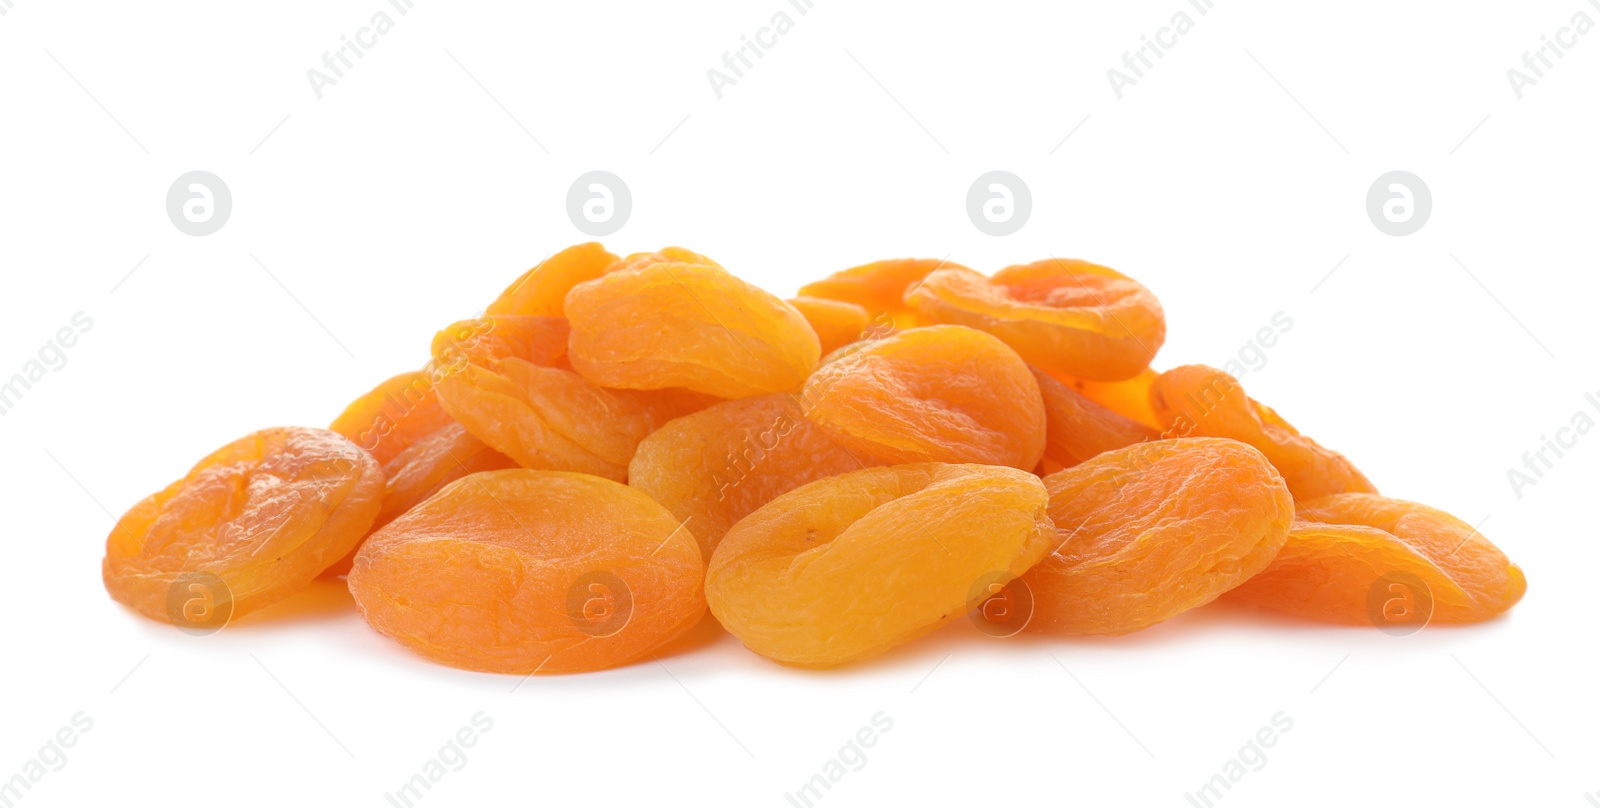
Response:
column 387, row 419
column 421, row 470
column 946, row 394
column 265, row 514
column 1065, row 316
column 548, row 417
column 1199, row 400
column 524, row 571
column 850, row 566
column 1076, row 429
column 836, row 323
column 685, row 325
column 1151, row 531
column 542, row 291
column 880, row 287
column 665, row 255
column 715, row 467
column 1345, row 544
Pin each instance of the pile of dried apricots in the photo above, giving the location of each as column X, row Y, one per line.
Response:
column 618, row 443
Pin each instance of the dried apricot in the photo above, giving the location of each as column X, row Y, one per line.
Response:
column 549, row 417
column 390, row 417
column 1076, row 429
column 1418, row 561
column 879, row 287
column 665, row 255
column 542, row 291
column 714, row 467
column 1129, row 398
column 1150, row 531
column 524, row 571
column 249, row 525
column 421, row 470
column 688, row 325
column 837, row 323
column 1200, row 400
column 1065, row 316
column 945, row 394
column 850, row 566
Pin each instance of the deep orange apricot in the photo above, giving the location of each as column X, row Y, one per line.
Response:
column 715, row 467
column 945, row 393
column 880, row 287
column 1065, row 316
column 685, row 325
column 1077, row 429
column 1153, row 530
column 249, row 525
column 1200, row 400
column 837, row 323
column 523, row 571
column 1423, row 563
column 542, row 291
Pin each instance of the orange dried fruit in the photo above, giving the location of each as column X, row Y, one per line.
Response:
column 393, row 415
column 524, row 571
column 249, row 525
column 1364, row 558
column 1200, row 400
column 1077, row 429
column 715, row 467
column 665, row 255
column 1150, row 531
column 1129, row 398
column 837, row 323
column 541, row 291
column 879, row 287
column 548, row 417
column 946, row 394
column 1065, row 316
column 850, row 566
column 685, row 325
column 421, row 470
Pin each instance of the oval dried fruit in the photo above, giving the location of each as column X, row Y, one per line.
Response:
column 850, row 566
column 1151, row 531
column 259, row 519
column 524, row 571
column 946, row 394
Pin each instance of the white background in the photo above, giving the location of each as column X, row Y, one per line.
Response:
column 408, row 195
